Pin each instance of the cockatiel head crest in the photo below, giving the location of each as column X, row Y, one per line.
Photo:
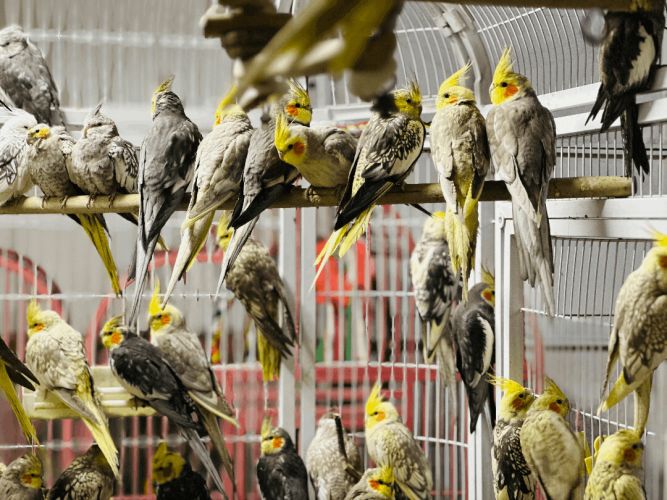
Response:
column 39, row 319
column 162, row 318
column 552, row 399
column 516, row 399
column 224, row 233
column 623, row 448
column 165, row 86
column 408, row 100
column 379, row 411
column 658, row 254
column 507, row 84
column 167, row 465
column 295, row 104
column 452, row 92
column 290, row 144
column 228, row 108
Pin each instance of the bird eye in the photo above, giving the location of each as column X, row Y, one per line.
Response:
column 446, row 96
column 522, row 395
column 409, row 101
column 504, row 84
column 290, row 146
column 493, row 293
column 636, row 446
column 559, row 401
column 297, row 105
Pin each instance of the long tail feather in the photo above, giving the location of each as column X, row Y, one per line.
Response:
column 218, row 439
column 239, row 239
column 270, row 358
column 618, row 392
column 212, row 408
column 633, row 141
column 10, row 391
column 200, row 450
column 441, row 347
column 94, row 228
column 327, row 251
column 145, row 257
column 642, row 404
column 193, row 239
column 358, row 228
column 105, row 442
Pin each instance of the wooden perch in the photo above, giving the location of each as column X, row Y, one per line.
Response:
column 568, row 187
column 620, row 5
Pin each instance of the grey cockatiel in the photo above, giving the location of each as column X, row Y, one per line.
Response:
column 461, row 156
column 103, row 163
column 88, row 476
column 333, row 460
column 49, row 157
column 166, row 166
column 22, row 479
column 254, row 280
column 322, row 155
column 14, row 175
column 522, row 137
column 25, row 77
column 181, row 348
column 217, row 179
column 472, row 327
column 265, row 175
column 437, row 290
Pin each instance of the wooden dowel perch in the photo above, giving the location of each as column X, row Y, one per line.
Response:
column 569, row 187
column 620, row 5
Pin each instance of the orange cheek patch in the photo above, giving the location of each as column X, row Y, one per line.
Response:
column 299, row 148
column 662, row 261
column 374, row 484
column 292, row 110
column 277, row 443
column 511, row 90
column 554, row 407
column 26, row 478
column 517, row 404
column 115, row 338
column 629, row 455
column 452, row 100
column 165, row 319
column 380, row 416
column 38, row 328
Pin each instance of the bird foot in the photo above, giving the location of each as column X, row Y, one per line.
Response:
column 311, row 194
column 91, row 200
column 63, row 202
column 112, row 198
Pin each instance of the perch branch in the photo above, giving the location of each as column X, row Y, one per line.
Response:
column 569, row 187
column 620, row 5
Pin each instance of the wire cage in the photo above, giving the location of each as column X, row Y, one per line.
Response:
column 359, row 324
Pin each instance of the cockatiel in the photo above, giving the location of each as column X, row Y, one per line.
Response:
column 254, row 280
column 25, row 77
column 56, row 355
column 437, row 289
column 639, row 336
column 265, row 176
column 23, row 479
column 217, row 179
column 628, row 59
column 552, row 451
column 103, row 163
column 323, row 155
column 13, row 371
column 14, row 175
column 142, row 370
column 460, row 152
column 390, row 443
column 522, row 137
column 174, row 478
column 88, row 476
column 181, row 348
column 281, row 473
column 472, row 327
column 387, row 151
column 375, row 484
column 333, row 460
column 48, row 157
column 512, row 478
column 166, row 167
column 617, row 471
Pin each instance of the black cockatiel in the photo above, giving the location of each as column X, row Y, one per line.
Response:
column 628, row 59
column 281, row 472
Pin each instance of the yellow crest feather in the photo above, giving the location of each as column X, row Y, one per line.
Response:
column 488, row 278
column 298, row 91
column 113, row 323
column 506, row 384
column 161, row 452
column 504, row 66
column 282, row 132
column 33, row 311
column 154, row 305
column 660, row 239
column 454, row 79
column 374, row 398
column 552, row 388
column 438, row 215
column 386, row 474
column 415, row 91
column 266, row 425
column 164, row 86
column 227, row 106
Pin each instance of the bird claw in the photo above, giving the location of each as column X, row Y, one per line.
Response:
column 91, row 200
column 311, row 194
column 63, row 202
column 112, row 198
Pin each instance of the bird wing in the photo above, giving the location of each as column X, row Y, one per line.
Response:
column 11, row 147
column 187, row 358
column 126, row 165
column 340, row 144
column 474, row 333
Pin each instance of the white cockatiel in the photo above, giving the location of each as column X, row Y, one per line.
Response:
column 14, row 175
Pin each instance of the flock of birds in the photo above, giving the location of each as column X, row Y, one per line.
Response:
column 533, row 442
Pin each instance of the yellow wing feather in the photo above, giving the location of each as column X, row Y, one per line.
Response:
column 95, row 231
column 21, row 415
